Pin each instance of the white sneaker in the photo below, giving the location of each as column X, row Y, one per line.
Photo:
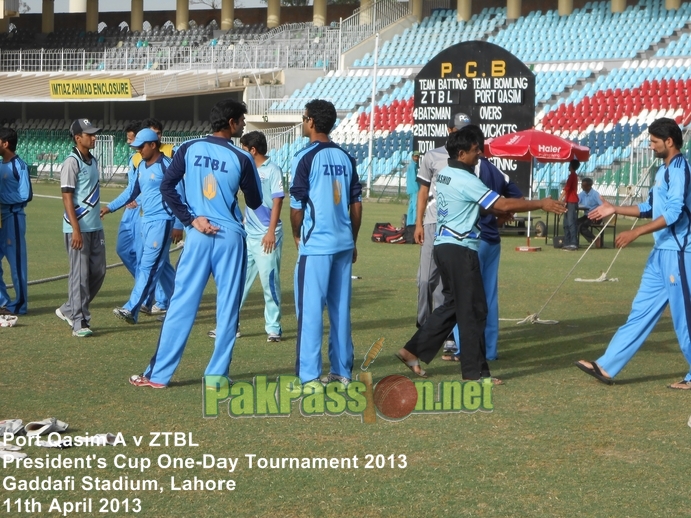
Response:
column 157, row 310
column 212, row 334
column 59, row 314
column 449, row 347
column 273, row 337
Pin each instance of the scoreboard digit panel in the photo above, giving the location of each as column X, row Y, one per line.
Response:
column 484, row 81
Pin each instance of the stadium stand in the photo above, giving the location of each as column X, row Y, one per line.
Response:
column 597, row 81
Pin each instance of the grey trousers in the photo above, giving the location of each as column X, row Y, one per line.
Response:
column 87, row 272
column 429, row 286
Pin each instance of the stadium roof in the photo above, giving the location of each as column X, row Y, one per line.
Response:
column 145, row 84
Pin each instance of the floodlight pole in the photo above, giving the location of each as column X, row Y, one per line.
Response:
column 371, row 115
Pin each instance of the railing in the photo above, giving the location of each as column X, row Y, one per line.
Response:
column 370, row 20
column 266, row 106
column 104, row 153
column 430, row 5
column 294, row 46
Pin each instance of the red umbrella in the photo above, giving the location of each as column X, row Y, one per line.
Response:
column 533, row 144
column 528, row 144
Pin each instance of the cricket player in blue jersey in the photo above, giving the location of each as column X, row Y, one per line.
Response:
column 325, row 215
column 84, row 239
column 265, row 235
column 213, row 170
column 158, row 227
column 128, row 231
column 460, row 195
column 129, row 246
column 667, row 275
column 15, row 192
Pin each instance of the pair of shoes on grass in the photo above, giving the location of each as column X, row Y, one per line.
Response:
column 83, row 332
column 153, row 310
column 212, row 334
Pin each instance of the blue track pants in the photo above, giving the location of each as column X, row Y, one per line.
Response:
column 665, row 281
column 13, row 248
column 268, row 267
column 224, row 256
column 323, row 280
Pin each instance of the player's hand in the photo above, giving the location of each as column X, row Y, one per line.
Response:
column 550, row 205
column 77, row 243
column 626, row 237
column 355, row 254
column 202, row 225
column 176, row 235
column 419, row 234
column 269, row 242
column 604, row 210
column 104, row 211
column 503, row 217
column 132, row 205
column 297, row 241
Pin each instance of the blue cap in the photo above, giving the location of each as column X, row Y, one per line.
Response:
column 144, row 136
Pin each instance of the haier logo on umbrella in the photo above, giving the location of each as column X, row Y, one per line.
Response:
column 548, row 149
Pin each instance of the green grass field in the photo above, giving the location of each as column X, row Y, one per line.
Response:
column 558, row 443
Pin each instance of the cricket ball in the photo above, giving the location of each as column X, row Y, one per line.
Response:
column 395, row 396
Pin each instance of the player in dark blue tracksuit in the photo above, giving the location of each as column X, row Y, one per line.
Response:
column 490, row 247
column 15, row 192
column 213, row 170
column 325, row 214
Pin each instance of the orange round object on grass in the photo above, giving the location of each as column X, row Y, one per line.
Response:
column 395, row 396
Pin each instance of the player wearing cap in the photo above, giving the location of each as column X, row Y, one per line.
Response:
column 129, row 245
column 325, row 215
column 84, row 238
column 428, row 280
column 15, row 192
column 461, row 195
column 214, row 169
column 128, row 232
column 158, row 226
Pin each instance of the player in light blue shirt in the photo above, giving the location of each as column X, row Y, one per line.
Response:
column 81, row 224
column 158, row 226
column 15, row 192
column 265, row 235
column 325, row 215
column 213, row 170
column 129, row 246
column 667, row 275
column 460, row 196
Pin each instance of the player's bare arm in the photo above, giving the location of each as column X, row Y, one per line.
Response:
column 607, row 209
column 67, row 201
column 355, row 221
column 422, row 196
column 522, row 205
column 628, row 236
column 269, row 240
column 296, row 217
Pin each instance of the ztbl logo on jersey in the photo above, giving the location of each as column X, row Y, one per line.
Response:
column 210, row 186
